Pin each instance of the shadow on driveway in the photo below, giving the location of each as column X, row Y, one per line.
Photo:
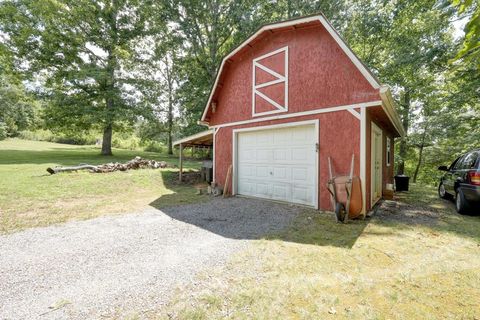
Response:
column 245, row 218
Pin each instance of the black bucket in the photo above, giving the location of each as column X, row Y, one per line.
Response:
column 401, row 183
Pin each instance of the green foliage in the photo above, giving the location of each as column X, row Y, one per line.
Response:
column 81, row 138
column 17, row 108
column 88, row 53
column 126, row 140
column 153, row 146
column 470, row 50
column 3, row 131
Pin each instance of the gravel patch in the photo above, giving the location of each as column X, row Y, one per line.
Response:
column 408, row 214
column 113, row 266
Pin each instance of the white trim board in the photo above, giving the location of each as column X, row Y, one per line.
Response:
column 215, row 131
column 363, row 157
column 360, row 66
column 388, row 106
column 355, row 113
column 362, row 105
column 375, row 128
column 235, row 133
column 279, row 79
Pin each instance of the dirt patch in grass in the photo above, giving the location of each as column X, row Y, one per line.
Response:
column 414, row 259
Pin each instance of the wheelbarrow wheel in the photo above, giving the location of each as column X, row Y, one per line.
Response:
column 340, row 212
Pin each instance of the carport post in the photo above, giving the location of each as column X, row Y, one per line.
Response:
column 181, row 163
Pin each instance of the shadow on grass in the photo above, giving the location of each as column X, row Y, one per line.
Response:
column 422, row 208
column 180, row 193
column 321, row 229
column 75, row 156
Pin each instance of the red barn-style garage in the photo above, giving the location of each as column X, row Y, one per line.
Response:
column 288, row 98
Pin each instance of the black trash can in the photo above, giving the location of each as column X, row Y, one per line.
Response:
column 401, row 182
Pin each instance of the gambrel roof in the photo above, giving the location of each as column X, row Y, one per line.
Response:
column 318, row 19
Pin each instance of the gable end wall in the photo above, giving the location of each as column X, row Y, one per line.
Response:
column 320, row 76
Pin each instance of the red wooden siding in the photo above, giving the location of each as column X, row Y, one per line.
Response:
column 320, row 75
column 339, row 138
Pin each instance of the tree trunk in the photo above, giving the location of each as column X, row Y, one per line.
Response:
column 420, row 155
column 74, row 168
column 419, row 163
column 402, row 153
column 107, row 140
column 110, row 83
column 170, row 120
column 169, row 75
column 405, row 122
column 170, row 143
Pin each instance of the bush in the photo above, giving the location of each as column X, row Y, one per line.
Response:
column 154, row 146
column 46, row 135
column 125, row 141
column 130, row 141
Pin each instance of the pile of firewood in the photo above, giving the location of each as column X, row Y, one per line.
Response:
column 135, row 163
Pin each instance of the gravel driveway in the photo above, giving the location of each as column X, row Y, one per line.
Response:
column 113, row 266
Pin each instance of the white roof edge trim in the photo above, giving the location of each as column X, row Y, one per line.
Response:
column 365, row 72
column 302, row 113
column 193, row 136
column 253, row 36
column 389, row 106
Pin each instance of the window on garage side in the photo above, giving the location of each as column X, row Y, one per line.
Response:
column 389, row 153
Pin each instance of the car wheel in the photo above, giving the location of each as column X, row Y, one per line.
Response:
column 442, row 193
column 340, row 212
column 461, row 203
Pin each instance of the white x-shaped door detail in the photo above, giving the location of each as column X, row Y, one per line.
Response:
column 270, row 83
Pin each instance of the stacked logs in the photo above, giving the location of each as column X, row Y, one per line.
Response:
column 135, row 163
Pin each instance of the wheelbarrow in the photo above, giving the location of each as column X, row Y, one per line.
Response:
column 346, row 194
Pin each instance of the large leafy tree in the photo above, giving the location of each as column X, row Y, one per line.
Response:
column 163, row 68
column 87, row 53
column 207, row 32
column 210, row 29
column 407, row 43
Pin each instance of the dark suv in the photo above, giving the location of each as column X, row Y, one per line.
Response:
column 462, row 180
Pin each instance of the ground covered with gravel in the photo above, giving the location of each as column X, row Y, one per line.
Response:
column 110, row 266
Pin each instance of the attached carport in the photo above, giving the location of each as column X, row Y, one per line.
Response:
column 202, row 139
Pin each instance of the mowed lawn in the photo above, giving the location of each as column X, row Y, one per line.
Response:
column 30, row 197
column 415, row 259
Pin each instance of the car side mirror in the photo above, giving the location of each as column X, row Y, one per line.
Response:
column 443, row 168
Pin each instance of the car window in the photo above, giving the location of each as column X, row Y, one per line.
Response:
column 469, row 161
column 456, row 164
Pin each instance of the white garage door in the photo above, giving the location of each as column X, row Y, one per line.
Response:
column 278, row 164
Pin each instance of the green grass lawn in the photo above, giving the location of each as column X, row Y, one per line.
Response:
column 415, row 259
column 31, row 197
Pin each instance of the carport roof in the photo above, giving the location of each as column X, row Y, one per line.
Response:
column 204, row 138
